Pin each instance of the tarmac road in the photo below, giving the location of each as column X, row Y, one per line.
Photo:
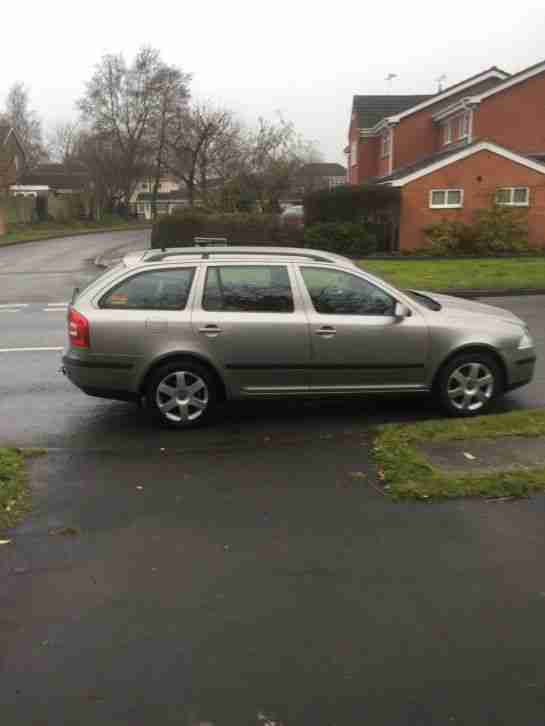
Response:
column 252, row 566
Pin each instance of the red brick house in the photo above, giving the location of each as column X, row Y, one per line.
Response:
column 12, row 158
column 455, row 151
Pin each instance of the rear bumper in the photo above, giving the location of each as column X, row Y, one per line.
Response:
column 101, row 378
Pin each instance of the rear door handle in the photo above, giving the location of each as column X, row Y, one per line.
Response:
column 327, row 331
column 211, row 330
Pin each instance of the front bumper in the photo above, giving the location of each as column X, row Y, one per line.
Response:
column 520, row 368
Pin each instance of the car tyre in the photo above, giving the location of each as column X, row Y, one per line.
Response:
column 468, row 383
column 182, row 394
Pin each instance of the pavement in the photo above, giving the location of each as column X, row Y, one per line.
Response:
column 251, row 567
column 467, row 456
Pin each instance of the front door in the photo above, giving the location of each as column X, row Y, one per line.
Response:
column 251, row 321
column 357, row 341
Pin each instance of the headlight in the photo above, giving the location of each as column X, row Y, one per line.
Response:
column 526, row 341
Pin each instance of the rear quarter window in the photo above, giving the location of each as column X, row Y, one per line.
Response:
column 151, row 290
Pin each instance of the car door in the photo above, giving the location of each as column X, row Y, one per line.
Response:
column 143, row 315
column 251, row 322
column 357, row 340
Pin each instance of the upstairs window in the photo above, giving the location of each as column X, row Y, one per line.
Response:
column 386, row 143
column 513, row 197
column 447, row 133
column 446, row 198
column 463, row 126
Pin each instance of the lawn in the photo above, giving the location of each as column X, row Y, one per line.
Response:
column 451, row 274
column 406, row 473
column 48, row 230
column 14, row 490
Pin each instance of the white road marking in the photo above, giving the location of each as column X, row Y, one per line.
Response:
column 54, row 310
column 54, row 305
column 6, row 310
column 14, row 305
column 28, row 350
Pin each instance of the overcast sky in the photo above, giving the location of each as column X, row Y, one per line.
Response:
column 304, row 59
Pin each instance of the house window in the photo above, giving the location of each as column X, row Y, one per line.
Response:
column 447, row 133
column 353, row 153
column 336, row 181
column 386, row 143
column 446, row 198
column 513, row 197
column 463, row 127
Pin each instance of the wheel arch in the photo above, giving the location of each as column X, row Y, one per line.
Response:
column 184, row 356
column 482, row 348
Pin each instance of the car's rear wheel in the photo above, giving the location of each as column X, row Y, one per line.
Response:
column 182, row 394
column 468, row 384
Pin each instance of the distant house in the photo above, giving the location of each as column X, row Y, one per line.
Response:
column 310, row 178
column 166, row 203
column 71, row 177
column 454, row 152
column 12, row 157
column 320, row 175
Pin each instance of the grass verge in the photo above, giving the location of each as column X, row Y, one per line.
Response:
column 485, row 273
column 52, row 230
column 14, row 489
column 406, row 472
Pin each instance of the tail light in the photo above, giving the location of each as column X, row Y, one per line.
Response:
column 78, row 329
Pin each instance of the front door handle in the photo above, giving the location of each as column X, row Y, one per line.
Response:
column 211, row 330
column 326, row 331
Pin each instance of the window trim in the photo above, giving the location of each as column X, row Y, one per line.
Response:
column 446, row 205
column 100, row 302
column 230, row 265
column 511, row 202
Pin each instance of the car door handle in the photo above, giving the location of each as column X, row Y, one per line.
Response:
column 211, row 330
column 327, row 331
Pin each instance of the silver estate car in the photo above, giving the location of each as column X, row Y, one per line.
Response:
column 184, row 329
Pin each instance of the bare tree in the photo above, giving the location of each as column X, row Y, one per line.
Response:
column 198, row 134
column 62, row 140
column 275, row 154
column 26, row 123
column 172, row 95
column 121, row 105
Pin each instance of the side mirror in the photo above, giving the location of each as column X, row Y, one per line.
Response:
column 401, row 311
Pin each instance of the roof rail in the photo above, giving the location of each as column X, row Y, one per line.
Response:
column 207, row 252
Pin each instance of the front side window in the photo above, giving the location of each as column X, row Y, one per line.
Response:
column 151, row 290
column 513, row 196
column 248, row 289
column 339, row 293
column 446, row 198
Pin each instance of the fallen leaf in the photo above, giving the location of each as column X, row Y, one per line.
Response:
column 64, row 531
column 469, row 456
column 381, row 475
column 4, row 541
column 357, row 475
column 140, row 488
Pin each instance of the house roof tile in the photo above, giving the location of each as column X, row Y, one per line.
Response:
column 370, row 110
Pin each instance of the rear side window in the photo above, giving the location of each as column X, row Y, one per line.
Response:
column 248, row 289
column 151, row 290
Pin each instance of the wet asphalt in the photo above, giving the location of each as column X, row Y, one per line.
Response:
column 252, row 566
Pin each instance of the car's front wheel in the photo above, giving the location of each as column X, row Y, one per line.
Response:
column 181, row 394
column 468, row 384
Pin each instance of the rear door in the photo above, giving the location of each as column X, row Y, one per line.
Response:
column 357, row 341
column 251, row 321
